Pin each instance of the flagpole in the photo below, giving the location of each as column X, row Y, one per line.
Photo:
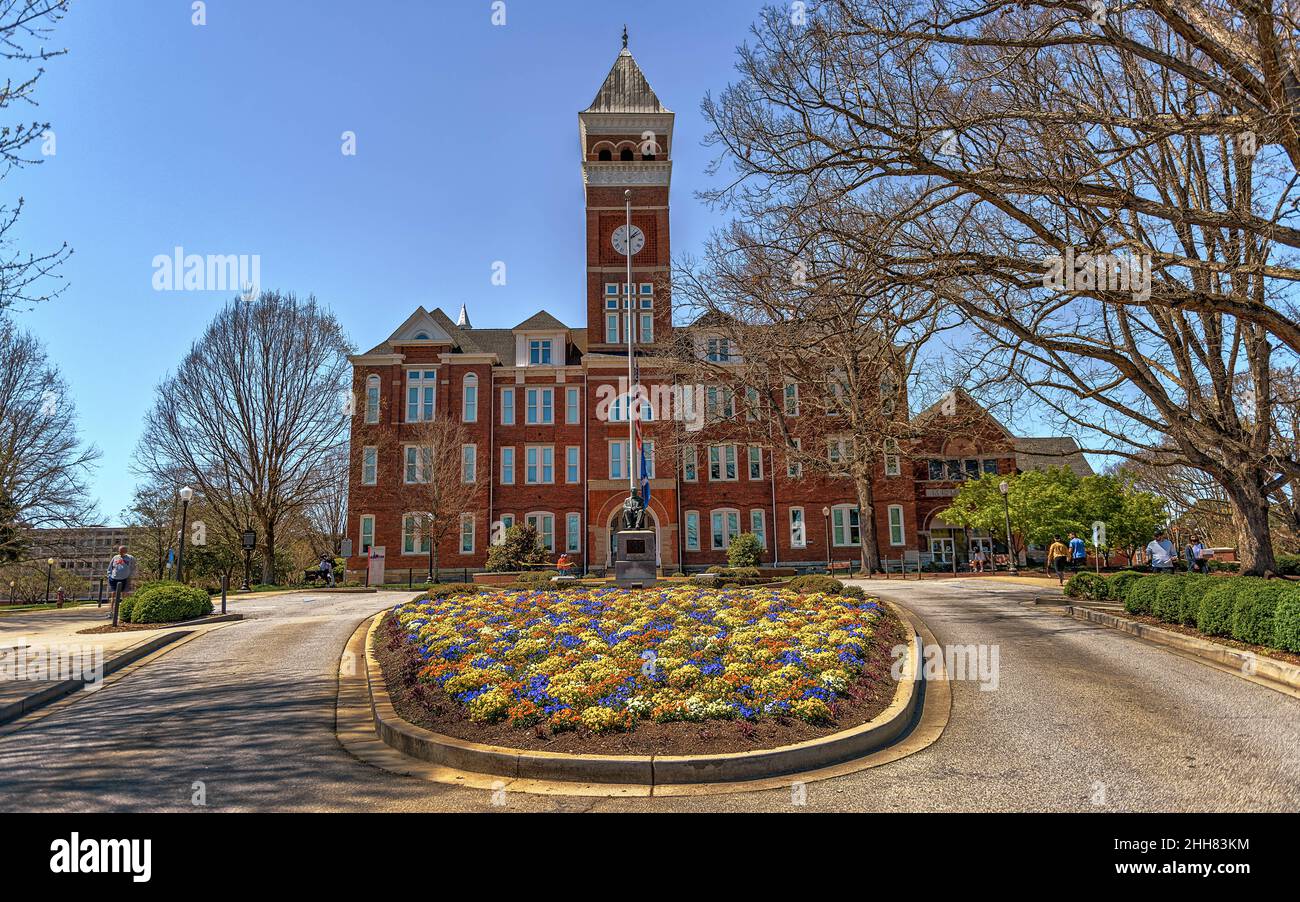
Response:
column 632, row 456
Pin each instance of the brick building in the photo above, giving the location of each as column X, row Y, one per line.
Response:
column 534, row 399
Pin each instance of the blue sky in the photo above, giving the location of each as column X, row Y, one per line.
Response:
column 226, row 139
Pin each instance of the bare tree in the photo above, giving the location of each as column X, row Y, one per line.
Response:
column 43, row 463
column 326, row 514
column 803, row 319
column 439, row 483
column 252, row 413
column 25, row 26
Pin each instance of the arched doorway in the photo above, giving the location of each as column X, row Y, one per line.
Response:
column 612, row 527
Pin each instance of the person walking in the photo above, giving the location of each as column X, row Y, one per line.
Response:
column 1078, row 552
column 1200, row 554
column 1056, row 556
column 327, row 570
column 120, row 570
column 1160, row 553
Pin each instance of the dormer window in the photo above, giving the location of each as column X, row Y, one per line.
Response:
column 539, row 352
column 421, row 336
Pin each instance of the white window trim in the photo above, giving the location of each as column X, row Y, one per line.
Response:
column 902, row 526
column 687, row 515
column 749, row 460
column 417, row 535
column 541, row 408
column 722, row 463
column 361, row 531
column 473, row 534
column 848, row 527
column 576, row 451
column 570, row 392
column 691, row 473
column 511, row 407
column 468, row 411
column 761, row 522
column 512, row 468
column 572, row 538
column 540, row 534
column 802, row 541
column 541, row 466
column 470, row 451
column 727, row 539
column 372, row 451
column 406, row 450
column 372, row 410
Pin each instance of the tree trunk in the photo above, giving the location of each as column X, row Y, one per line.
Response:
column 268, row 561
column 1250, row 510
column 867, row 524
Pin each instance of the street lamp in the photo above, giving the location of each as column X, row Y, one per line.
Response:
column 826, row 515
column 49, row 574
column 13, row 591
column 1005, row 489
column 186, row 494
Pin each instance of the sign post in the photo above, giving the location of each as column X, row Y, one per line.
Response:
column 248, row 541
column 1098, row 539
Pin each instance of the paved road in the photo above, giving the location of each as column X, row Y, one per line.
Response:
column 1083, row 719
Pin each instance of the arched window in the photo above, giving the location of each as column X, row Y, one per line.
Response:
column 605, row 155
column 372, row 400
column 648, row 156
column 625, row 154
column 469, row 399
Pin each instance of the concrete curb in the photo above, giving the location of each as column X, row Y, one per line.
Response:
column 26, row 705
column 1261, row 669
column 650, row 771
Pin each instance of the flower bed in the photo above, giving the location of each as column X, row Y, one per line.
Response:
column 610, row 661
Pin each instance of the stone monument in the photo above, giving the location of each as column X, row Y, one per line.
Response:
column 635, row 549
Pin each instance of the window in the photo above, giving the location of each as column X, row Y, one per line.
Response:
column 369, row 465
column 991, row 466
column 692, row 531
column 717, row 350
column 420, row 388
column 545, row 526
column 573, row 533
column 835, row 451
column 507, row 407
column 413, row 540
column 372, row 400
column 605, row 155
column 794, row 466
column 419, row 464
column 722, row 463
column 726, row 526
column 792, row 400
column 539, row 465
column 539, row 352
column 896, row 536
column 798, row 532
column 625, row 155
column 540, row 408
column 469, row 399
column 367, row 533
column 757, row 524
column 844, row 526
column 507, row 466
column 893, row 466
column 755, row 462
column 621, row 464
column 936, row 469
column 469, row 463
column 466, row 533
column 647, row 327
column 571, row 469
column 611, row 328
column 572, row 404
column 690, row 464
column 719, row 404
column 626, row 402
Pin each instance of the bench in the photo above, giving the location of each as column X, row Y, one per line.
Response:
column 313, row 576
column 834, row 566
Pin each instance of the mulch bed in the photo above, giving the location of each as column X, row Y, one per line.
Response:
column 124, row 628
column 428, row 706
column 1263, row 651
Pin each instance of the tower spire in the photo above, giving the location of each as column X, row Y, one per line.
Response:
column 624, row 37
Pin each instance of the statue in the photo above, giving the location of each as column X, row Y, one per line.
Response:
column 633, row 513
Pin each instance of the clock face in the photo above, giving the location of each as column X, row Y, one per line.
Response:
column 620, row 241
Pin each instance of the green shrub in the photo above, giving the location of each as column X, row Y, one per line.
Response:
column 533, row 580
column 1087, row 585
column 1253, row 610
column 1168, row 602
column 1288, row 564
column 1141, row 597
column 1286, row 620
column 165, row 602
column 1224, row 566
column 744, row 550
column 854, row 592
column 1194, row 588
column 1121, row 582
column 816, row 582
column 520, row 545
column 124, row 609
column 446, row 590
column 1214, row 615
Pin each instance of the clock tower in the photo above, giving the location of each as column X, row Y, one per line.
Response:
column 626, row 140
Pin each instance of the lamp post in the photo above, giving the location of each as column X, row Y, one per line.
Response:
column 13, row 591
column 826, row 515
column 186, row 494
column 49, row 575
column 1005, row 489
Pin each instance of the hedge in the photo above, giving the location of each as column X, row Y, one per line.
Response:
column 1286, row 621
column 165, row 602
column 1252, row 611
column 1214, row 614
column 446, row 590
column 1141, row 596
column 815, row 582
column 1121, row 582
column 1168, row 601
column 1087, row 585
column 1194, row 590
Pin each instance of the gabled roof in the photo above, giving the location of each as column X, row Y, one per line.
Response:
column 958, row 396
column 541, row 321
column 1033, row 453
column 626, row 90
column 422, row 325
